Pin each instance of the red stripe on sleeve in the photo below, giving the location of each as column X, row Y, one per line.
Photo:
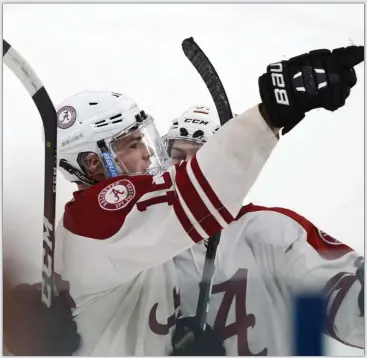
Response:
column 194, row 202
column 185, row 222
column 209, row 191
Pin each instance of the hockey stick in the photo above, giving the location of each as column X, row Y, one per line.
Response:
column 212, row 81
column 46, row 109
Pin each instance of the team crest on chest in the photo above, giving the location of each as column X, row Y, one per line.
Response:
column 328, row 239
column 116, row 195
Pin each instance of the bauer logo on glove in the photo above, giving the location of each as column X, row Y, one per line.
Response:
column 319, row 79
column 277, row 78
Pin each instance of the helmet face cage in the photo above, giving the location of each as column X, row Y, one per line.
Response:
column 139, row 150
column 168, row 143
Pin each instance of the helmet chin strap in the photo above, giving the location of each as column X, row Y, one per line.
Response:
column 82, row 177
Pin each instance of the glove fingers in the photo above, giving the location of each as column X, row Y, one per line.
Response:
column 350, row 77
column 323, row 81
column 350, row 56
column 320, row 52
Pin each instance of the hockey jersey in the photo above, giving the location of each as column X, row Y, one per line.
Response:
column 116, row 240
column 265, row 258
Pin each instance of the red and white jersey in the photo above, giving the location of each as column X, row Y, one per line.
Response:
column 116, row 240
column 263, row 258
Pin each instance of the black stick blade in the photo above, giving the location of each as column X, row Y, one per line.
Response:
column 209, row 75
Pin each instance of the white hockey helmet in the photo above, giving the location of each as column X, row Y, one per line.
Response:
column 98, row 122
column 196, row 124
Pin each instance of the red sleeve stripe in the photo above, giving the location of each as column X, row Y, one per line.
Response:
column 215, row 214
column 206, row 188
column 197, row 202
column 183, row 215
column 195, row 205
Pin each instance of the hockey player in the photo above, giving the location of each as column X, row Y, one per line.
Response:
column 110, row 249
column 131, row 215
column 264, row 258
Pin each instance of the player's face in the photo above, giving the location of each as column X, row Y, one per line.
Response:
column 183, row 150
column 133, row 153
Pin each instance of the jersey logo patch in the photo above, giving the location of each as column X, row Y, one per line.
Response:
column 328, row 239
column 66, row 117
column 116, row 195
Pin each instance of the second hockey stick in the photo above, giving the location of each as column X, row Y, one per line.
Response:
column 19, row 66
column 212, row 81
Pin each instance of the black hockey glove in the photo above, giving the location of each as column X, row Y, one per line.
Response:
column 360, row 275
column 32, row 329
column 189, row 340
column 319, row 79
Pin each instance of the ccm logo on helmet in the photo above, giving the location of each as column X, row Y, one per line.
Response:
column 195, row 121
column 278, row 81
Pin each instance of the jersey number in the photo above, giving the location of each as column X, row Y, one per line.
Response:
column 162, row 183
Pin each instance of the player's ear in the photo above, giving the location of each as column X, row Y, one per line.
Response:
column 93, row 166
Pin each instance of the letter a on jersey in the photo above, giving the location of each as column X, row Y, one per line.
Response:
column 116, row 195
